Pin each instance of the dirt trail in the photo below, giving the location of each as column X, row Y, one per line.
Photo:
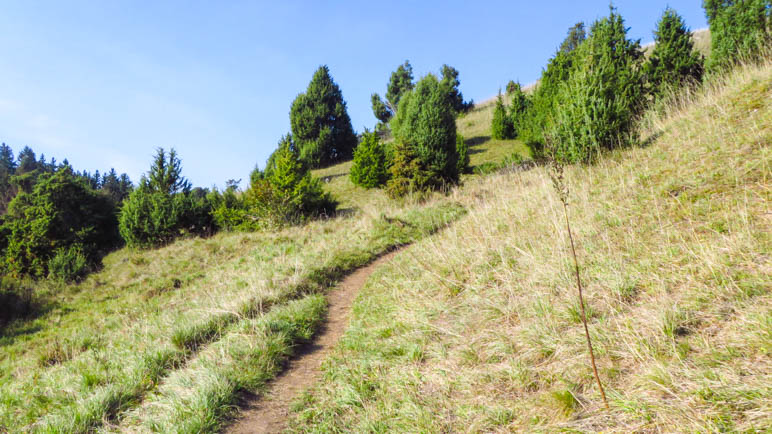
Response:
column 268, row 413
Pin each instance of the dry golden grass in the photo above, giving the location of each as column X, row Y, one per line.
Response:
column 477, row 328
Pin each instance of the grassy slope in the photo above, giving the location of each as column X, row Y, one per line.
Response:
column 476, row 328
column 108, row 342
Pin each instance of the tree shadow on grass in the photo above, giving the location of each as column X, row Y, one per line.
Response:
column 476, row 141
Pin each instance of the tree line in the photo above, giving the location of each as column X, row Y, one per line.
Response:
column 594, row 89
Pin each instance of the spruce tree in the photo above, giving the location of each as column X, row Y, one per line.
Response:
column 287, row 193
column 576, row 35
column 320, row 123
column 425, row 129
column 7, row 170
column 597, row 107
column 369, row 167
column 501, row 125
column 739, row 30
column 518, row 109
column 165, row 175
column 673, row 61
column 451, row 83
column 462, row 164
column 400, row 82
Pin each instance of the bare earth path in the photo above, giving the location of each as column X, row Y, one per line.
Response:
column 268, row 413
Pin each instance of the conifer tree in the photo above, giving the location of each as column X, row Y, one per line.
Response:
column 739, row 30
column 320, row 123
column 7, row 170
column 501, row 125
column 400, row 82
column 369, row 167
column 597, row 107
column 518, row 109
column 425, row 129
column 287, row 193
column 576, row 35
column 451, row 83
column 673, row 61
column 165, row 175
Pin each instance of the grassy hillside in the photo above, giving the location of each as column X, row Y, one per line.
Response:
column 185, row 328
column 477, row 328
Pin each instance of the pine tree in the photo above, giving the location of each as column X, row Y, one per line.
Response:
column 7, row 170
column 518, row 109
column 501, row 125
column 400, row 82
column 597, row 107
column 320, row 123
column 369, row 167
column 425, row 126
column 451, row 83
column 288, row 193
column 165, row 175
column 553, row 77
column 739, row 30
column 27, row 161
column 576, row 35
column 673, row 61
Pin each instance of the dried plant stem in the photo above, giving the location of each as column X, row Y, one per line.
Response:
column 581, row 303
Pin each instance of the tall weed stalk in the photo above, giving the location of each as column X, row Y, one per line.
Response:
column 557, row 174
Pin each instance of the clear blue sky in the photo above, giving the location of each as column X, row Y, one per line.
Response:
column 103, row 83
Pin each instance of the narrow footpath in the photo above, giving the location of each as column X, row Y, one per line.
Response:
column 268, row 413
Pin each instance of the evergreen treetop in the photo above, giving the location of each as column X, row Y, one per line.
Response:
column 320, row 123
column 673, row 60
column 401, row 81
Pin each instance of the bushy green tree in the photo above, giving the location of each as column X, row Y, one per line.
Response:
column 501, row 124
column 518, row 109
column 511, row 87
column 557, row 72
column 739, row 30
column 163, row 206
column 425, row 126
column 462, row 164
column 61, row 212
column 288, row 193
column 320, row 123
column 451, row 84
column 673, row 61
column 598, row 105
column 369, row 167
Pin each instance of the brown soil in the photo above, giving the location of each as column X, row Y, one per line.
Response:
column 268, row 413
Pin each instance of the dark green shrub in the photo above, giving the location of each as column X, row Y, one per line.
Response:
column 68, row 264
column 61, row 211
column 541, row 110
column 673, row 61
column 451, row 83
column 369, row 167
column 150, row 218
column 739, row 30
column 596, row 108
column 501, row 124
column 320, row 123
column 425, row 126
column 230, row 211
column 518, row 110
column 288, row 193
column 380, row 110
column 462, row 150
column 164, row 207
